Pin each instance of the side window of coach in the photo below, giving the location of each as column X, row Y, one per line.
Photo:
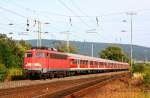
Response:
column 74, row 61
column 91, row 62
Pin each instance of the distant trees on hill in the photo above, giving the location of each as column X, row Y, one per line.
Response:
column 114, row 53
column 62, row 47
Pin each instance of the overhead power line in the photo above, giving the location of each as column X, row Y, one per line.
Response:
column 73, row 12
column 63, row 15
column 13, row 12
column 80, row 10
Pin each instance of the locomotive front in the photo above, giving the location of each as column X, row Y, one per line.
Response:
column 35, row 62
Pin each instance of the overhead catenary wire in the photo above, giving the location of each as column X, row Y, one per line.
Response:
column 80, row 10
column 63, row 15
column 73, row 12
column 36, row 11
column 18, row 14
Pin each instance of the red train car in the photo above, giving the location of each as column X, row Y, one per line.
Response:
column 47, row 63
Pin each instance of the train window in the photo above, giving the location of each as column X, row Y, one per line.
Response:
column 28, row 54
column 58, row 56
column 101, row 63
column 108, row 64
column 39, row 54
column 91, row 62
column 81, row 62
column 105, row 64
column 74, row 61
column 47, row 55
column 86, row 62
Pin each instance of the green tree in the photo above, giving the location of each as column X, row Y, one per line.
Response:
column 11, row 55
column 2, row 72
column 62, row 47
column 114, row 53
column 6, row 50
column 24, row 45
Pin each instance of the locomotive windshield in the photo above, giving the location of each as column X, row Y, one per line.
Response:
column 28, row 54
column 39, row 54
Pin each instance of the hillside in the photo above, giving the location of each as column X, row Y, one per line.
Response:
column 84, row 48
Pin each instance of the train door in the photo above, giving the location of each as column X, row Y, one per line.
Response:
column 78, row 63
column 47, row 61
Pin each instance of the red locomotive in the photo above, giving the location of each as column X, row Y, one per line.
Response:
column 48, row 64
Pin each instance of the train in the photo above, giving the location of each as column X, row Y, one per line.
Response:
column 49, row 63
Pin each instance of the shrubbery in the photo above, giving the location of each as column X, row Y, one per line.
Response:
column 138, row 68
column 144, row 69
column 146, row 78
column 2, row 72
column 14, row 73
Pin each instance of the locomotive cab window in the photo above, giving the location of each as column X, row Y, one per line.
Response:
column 28, row 54
column 40, row 54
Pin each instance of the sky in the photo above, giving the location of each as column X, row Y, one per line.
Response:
column 78, row 20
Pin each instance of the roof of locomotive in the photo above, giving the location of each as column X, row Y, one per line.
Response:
column 45, row 50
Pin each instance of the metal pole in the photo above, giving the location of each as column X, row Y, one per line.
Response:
column 145, row 56
column 122, row 59
column 131, row 31
column 68, row 50
column 39, row 42
column 131, row 38
column 37, row 34
column 92, row 49
column 92, row 46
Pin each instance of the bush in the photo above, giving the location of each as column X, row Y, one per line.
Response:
column 147, row 79
column 138, row 68
column 14, row 73
column 144, row 70
column 2, row 72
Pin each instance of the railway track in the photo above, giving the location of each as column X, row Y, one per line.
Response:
column 56, row 89
column 72, row 92
column 90, row 89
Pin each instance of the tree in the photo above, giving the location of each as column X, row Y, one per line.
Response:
column 12, row 52
column 2, row 72
column 11, row 56
column 6, row 50
column 24, row 45
column 114, row 53
column 62, row 47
